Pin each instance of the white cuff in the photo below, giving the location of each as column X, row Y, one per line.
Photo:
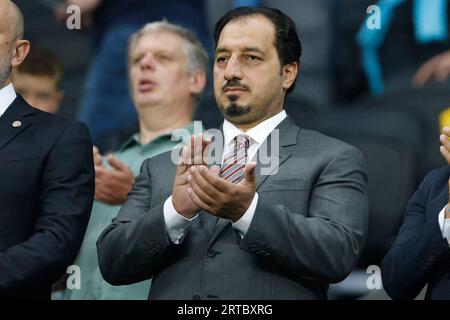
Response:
column 444, row 225
column 243, row 223
column 176, row 224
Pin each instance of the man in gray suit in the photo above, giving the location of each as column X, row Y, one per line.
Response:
column 234, row 231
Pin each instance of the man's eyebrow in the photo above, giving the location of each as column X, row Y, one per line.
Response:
column 164, row 51
column 252, row 49
column 160, row 51
column 221, row 50
column 136, row 54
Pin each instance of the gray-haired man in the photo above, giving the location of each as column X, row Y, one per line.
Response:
column 167, row 71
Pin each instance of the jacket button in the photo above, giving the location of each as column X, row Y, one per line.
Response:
column 211, row 253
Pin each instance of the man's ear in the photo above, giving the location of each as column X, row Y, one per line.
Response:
column 289, row 74
column 21, row 49
column 197, row 81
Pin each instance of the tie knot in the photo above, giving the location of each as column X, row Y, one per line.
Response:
column 242, row 141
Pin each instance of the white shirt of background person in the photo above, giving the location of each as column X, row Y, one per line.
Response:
column 7, row 96
column 444, row 224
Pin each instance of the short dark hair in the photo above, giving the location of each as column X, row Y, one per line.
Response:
column 42, row 62
column 287, row 43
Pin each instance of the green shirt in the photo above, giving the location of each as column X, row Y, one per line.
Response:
column 93, row 287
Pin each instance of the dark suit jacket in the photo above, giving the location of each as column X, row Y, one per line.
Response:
column 308, row 229
column 46, row 194
column 420, row 254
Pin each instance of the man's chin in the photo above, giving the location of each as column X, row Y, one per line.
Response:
column 236, row 115
column 145, row 105
column 147, row 100
column 234, row 110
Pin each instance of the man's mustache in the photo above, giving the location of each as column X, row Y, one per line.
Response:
column 235, row 84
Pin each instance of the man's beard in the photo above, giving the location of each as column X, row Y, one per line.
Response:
column 234, row 110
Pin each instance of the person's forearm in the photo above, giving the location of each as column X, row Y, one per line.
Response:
column 406, row 267
column 128, row 250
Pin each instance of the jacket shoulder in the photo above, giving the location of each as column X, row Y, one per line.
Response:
column 52, row 129
column 160, row 162
column 438, row 176
column 320, row 143
column 56, row 122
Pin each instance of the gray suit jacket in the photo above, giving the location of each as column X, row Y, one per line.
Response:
column 308, row 230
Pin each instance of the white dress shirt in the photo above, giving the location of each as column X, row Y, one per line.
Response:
column 7, row 96
column 445, row 225
column 177, row 225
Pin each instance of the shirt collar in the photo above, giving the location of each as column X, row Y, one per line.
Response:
column 258, row 133
column 7, row 96
column 135, row 138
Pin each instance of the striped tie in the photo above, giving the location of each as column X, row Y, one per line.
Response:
column 233, row 166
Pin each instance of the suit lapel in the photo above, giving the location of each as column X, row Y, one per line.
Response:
column 288, row 133
column 18, row 114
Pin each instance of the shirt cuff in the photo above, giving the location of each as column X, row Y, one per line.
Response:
column 176, row 224
column 243, row 223
column 444, row 224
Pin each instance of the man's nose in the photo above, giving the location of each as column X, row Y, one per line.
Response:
column 148, row 62
column 233, row 69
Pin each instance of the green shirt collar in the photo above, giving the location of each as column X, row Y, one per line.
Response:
column 134, row 139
